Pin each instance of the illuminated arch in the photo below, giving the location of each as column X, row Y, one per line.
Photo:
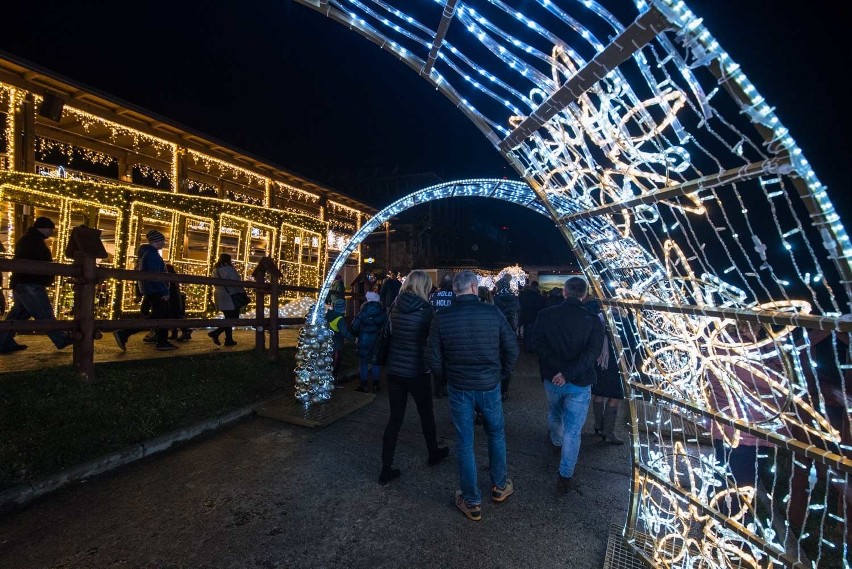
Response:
column 690, row 208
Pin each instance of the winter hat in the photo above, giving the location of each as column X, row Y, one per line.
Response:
column 155, row 235
column 339, row 305
column 43, row 223
column 372, row 296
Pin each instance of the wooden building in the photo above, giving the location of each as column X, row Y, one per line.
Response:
column 78, row 156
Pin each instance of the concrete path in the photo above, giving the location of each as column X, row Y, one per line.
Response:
column 41, row 353
column 269, row 494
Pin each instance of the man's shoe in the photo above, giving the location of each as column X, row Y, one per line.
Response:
column 215, row 337
column 13, row 348
column 564, row 485
column 165, row 347
column 500, row 494
column 440, row 454
column 230, row 343
column 65, row 343
column 388, row 474
column 361, row 388
column 472, row 512
column 120, row 340
column 376, row 387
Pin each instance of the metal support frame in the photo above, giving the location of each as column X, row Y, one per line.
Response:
column 747, row 172
column 638, row 34
column 440, row 34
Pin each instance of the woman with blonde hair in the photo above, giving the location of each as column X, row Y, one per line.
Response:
column 407, row 371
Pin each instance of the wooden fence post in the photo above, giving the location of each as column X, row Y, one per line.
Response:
column 85, row 247
column 273, row 318
column 259, row 336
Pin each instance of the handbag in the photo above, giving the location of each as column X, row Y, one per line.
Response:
column 381, row 347
column 240, row 300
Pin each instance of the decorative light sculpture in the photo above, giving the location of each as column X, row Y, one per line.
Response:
column 517, row 274
column 700, row 223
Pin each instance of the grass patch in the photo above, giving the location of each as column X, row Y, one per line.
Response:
column 50, row 420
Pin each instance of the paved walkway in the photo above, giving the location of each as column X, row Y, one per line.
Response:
column 41, row 353
column 270, row 494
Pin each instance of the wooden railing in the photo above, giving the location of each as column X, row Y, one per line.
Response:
column 86, row 274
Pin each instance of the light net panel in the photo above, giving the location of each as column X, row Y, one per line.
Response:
column 703, row 228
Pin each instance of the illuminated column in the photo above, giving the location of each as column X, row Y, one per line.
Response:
column 24, row 135
column 179, row 175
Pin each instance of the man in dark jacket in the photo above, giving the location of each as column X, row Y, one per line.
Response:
column 473, row 347
column 29, row 293
column 443, row 297
column 507, row 301
column 155, row 293
column 531, row 302
column 390, row 289
column 568, row 339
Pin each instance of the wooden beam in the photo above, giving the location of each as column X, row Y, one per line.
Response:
column 647, row 26
column 747, row 172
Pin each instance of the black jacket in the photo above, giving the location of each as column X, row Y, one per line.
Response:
column 507, row 302
column 32, row 247
column 472, row 345
column 389, row 291
column 568, row 339
column 367, row 326
column 531, row 303
column 410, row 319
column 442, row 298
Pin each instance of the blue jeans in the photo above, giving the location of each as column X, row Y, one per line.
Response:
column 462, row 406
column 567, row 408
column 30, row 301
column 368, row 370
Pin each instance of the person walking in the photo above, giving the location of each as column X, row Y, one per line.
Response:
column 223, row 297
column 29, row 292
column 408, row 371
column 177, row 308
column 532, row 302
column 154, row 293
column 367, row 326
column 390, row 289
column 443, row 297
column 607, row 391
column 471, row 344
column 507, row 302
column 568, row 340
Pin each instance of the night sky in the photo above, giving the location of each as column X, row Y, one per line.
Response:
column 282, row 82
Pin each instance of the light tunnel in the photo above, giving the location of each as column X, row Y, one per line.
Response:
column 704, row 229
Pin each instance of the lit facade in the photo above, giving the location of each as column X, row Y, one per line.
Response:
column 78, row 157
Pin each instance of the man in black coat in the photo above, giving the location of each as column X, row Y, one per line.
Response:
column 532, row 302
column 390, row 289
column 568, row 339
column 29, row 292
column 443, row 297
column 473, row 347
column 507, row 301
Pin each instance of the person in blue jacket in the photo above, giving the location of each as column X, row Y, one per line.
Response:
column 367, row 326
column 155, row 293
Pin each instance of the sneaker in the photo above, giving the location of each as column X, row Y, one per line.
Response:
column 165, row 347
column 120, row 340
column 473, row 512
column 440, row 454
column 500, row 494
column 388, row 474
column 13, row 348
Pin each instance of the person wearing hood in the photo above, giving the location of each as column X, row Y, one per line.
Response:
column 155, row 293
column 367, row 326
column 408, row 371
column 29, row 293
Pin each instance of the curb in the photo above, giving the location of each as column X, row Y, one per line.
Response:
column 19, row 496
